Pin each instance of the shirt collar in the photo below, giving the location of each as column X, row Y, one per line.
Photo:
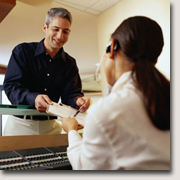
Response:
column 125, row 77
column 40, row 50
column 61, row 54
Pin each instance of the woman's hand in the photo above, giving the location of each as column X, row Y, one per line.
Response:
column 70, row 124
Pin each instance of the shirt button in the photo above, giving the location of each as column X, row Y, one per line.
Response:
column 45, row 89
column 50, row 60
column 48, row 74
column 46, row 53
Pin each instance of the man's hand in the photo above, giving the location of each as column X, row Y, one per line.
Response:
column 83, row 100
column 41, row 102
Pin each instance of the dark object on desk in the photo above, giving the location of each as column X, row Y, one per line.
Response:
column 49, row 158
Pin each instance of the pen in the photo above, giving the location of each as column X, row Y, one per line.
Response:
column 77, row 112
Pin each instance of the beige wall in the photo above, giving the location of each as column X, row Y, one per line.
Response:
column 83, row 40
column 157, row 10
column 24, row 24
column 90, row 33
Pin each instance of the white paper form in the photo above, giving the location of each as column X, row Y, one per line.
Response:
column 65, row 111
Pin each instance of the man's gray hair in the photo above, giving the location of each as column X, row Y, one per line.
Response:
column 58, row 12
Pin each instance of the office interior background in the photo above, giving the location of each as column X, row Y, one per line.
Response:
column 91, row 29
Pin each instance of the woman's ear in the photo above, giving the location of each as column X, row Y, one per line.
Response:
column 111, row 55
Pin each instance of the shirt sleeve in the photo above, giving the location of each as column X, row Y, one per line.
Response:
column 74, row 149
column 15, row 78
column 92, row 152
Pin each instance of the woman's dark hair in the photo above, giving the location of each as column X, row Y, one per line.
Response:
column 141, row 40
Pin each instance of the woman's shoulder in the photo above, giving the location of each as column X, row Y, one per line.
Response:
column 116, row 104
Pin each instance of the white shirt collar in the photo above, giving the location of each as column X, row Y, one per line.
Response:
column 122, row 80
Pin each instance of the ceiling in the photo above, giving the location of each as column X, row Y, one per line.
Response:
column 35, row 2
column 94, row 7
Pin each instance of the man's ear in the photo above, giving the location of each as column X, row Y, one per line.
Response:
column 44, row 27
column 111, row 55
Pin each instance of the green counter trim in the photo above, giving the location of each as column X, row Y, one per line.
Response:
column 20, row 110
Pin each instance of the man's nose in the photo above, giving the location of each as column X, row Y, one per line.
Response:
column 60, row 34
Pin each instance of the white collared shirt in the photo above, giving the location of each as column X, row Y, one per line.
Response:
column 118, row 134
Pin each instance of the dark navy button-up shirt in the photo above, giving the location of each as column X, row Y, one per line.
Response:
column 31, row 71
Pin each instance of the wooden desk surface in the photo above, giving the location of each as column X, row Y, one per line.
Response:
column 9, row 143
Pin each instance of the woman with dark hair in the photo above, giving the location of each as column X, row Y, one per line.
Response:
column 130, row 128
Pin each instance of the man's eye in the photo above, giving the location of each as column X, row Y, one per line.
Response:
column 56, row 29
column 65, row 32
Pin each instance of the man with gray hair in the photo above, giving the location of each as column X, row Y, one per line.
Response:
column 41, row 72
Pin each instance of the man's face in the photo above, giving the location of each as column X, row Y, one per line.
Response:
column 56, row 35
